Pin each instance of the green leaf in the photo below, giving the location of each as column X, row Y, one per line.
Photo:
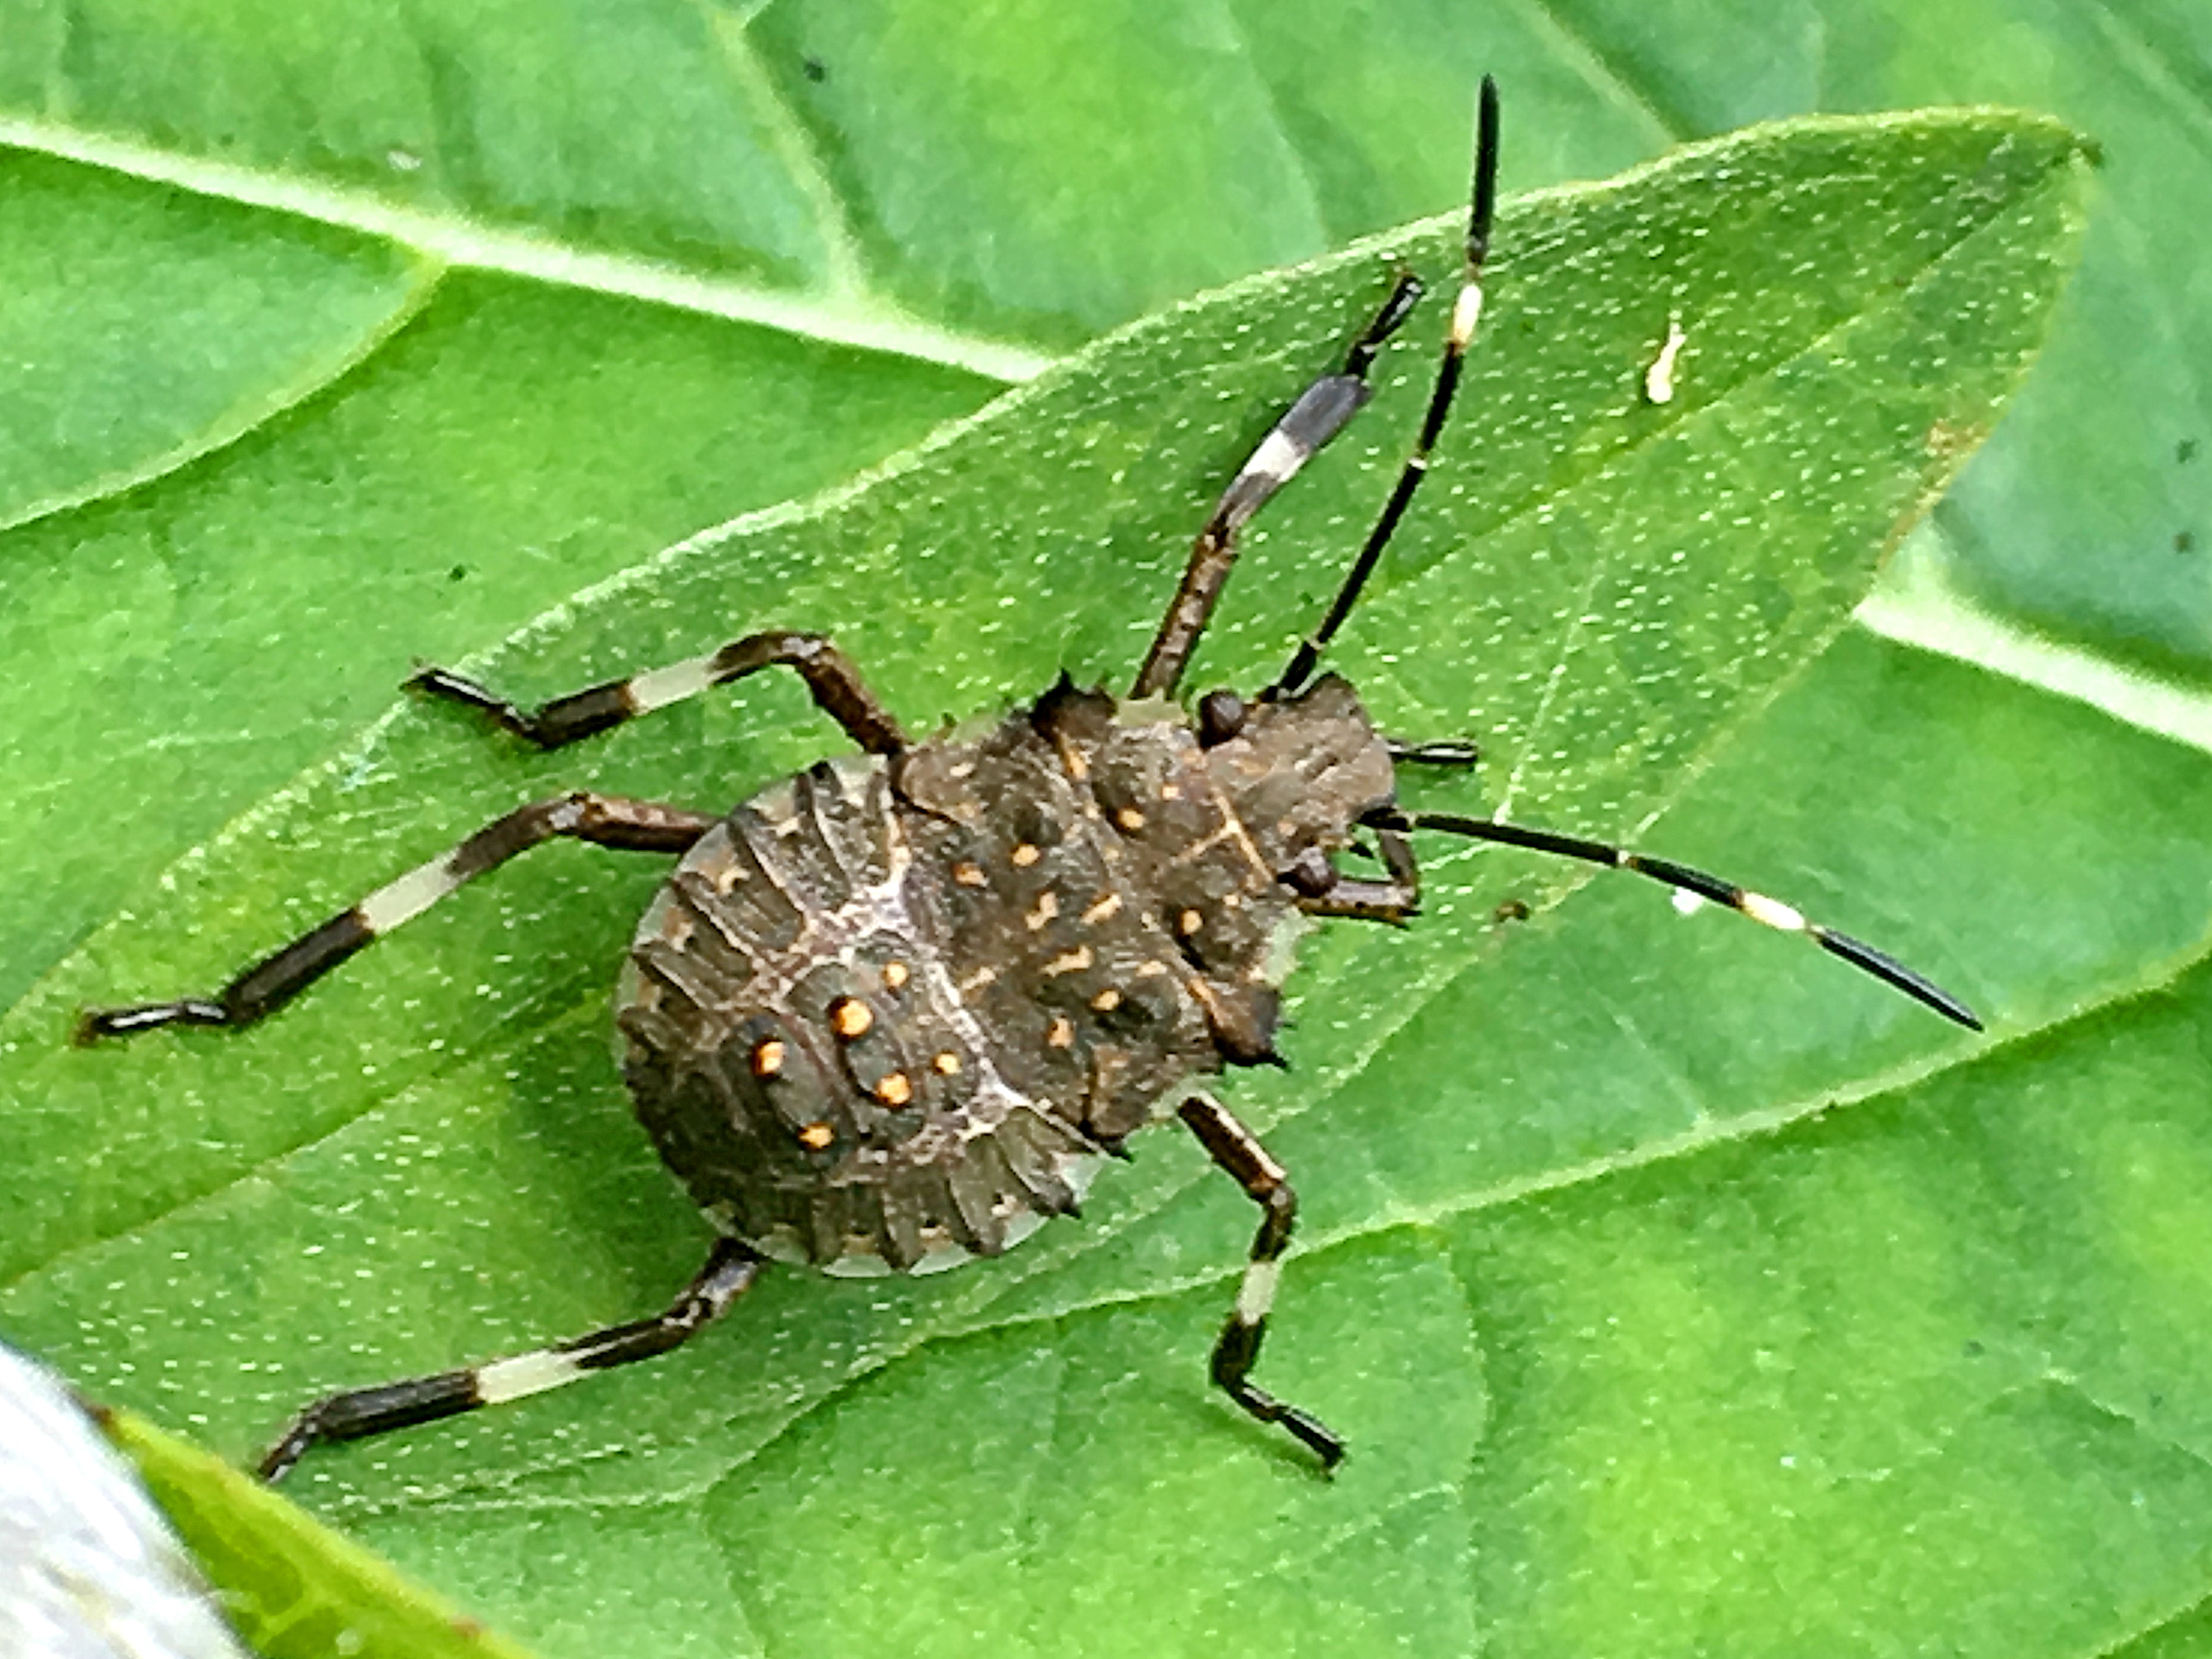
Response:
column 2089, row 517
column 628, row 127
column 205, row 635
column 1597, row 587
column 1033, row 172
column 289, row 1585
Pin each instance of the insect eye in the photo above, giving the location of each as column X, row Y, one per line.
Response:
column 1220, row 717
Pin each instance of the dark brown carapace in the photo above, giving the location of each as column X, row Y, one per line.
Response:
column 885, row 1015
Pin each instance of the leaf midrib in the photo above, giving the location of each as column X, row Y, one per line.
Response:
column 862, row 320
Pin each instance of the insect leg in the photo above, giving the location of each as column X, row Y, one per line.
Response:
column 1448, row 751
column 1396, row 900
column 1466, row 311
column 634, row 826
column 1355, row 900
column 728, row 1274
column 1238, row 1150
column 836, row 684
column 1322, row 411
column 1772, row 912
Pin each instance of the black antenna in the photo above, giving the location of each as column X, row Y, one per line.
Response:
column 1772, row 912
column 1466, row 312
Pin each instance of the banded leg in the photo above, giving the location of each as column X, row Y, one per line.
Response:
column 1768, row 911
column 634, row 826
column 1322, row 410
column 1237, row 1149
column 357, row 1412
column 836, row 684
column 1466, row 311
column 1447, row 752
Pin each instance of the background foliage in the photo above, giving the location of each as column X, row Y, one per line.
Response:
column 1679, row 1292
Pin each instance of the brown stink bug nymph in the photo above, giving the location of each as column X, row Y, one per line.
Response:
column 888, row 1014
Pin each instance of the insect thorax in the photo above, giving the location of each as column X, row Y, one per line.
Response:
column 887, row 1014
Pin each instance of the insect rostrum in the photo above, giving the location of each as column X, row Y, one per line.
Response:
column 888, row 1014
